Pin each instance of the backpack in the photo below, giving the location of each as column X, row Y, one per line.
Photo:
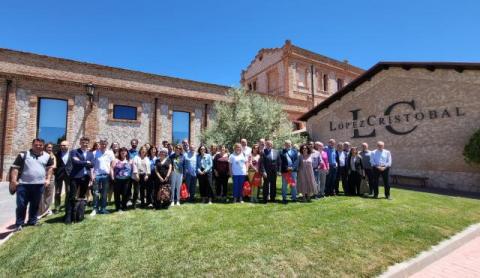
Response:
column 20, row 171
column 79, row 210
column 164, row 194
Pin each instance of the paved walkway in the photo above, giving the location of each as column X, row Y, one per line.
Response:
column 7, row 210
column 462, row 262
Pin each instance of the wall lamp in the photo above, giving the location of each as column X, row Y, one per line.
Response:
column 90, row 92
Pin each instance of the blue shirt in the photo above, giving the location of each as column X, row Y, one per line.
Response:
column 190, row 163
column 381, row 158
column 292, row 158
column 204, row 162
column 332, row 155
column 132, row 153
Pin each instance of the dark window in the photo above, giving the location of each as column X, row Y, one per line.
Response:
column 249, row 86
column 123, row 112
column 339, row 84
column 52, row 120
column 180, row 126
column 325, row 82
column 254, row 85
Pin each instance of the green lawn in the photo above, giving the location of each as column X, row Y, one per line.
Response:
column 340, row 236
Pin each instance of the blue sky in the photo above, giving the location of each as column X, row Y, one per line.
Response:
column 212, row 41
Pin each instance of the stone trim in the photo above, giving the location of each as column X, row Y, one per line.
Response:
column 136, row 104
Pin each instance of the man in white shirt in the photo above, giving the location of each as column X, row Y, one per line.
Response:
column 381, row 161
column 102, row 172
column 247, row 151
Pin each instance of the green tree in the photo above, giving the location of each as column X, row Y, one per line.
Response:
column 250, row 116
column 472, row 149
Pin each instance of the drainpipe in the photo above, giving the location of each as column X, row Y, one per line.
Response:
column 4, row 126
column 205, row 117
column 312, row 85
column 155, row 123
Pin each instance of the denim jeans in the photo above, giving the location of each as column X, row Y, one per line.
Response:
column 100, row 190
column 191, row 182
column 28, row 193
column 238, row 181
column 331, row 179
column 321, row 180
column 293, row 190
column 176, row 181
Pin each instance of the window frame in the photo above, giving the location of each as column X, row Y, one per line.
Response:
column 189, row 123
column 124, row 119
column 39, row 111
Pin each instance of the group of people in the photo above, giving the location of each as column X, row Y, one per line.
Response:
column 152, row 177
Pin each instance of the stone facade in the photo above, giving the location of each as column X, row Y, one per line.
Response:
column 424, row 114
column 26, row 78
column 286, row 73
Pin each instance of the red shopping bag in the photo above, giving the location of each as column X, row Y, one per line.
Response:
column 257, row 180
column 290, row 180
column 247, row 189
column 184, row 192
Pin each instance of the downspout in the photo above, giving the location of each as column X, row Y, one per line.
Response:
column 4, row 127
column 155, row 123
column 312, row 85
column 205, row 117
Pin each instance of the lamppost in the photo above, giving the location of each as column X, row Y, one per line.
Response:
column 90, row 93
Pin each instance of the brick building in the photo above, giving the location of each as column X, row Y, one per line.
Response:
column 286, row 73
column 424, row 112
column 56, row 98
column 95, row 101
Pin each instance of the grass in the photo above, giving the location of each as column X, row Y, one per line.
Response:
column 340, row 236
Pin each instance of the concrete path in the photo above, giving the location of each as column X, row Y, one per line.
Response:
column 7, row 211
column 463, row 262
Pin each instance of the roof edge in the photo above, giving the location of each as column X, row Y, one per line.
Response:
column 106, row 67
column 382, row 65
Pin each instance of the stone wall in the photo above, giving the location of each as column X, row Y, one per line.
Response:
column 425, row 118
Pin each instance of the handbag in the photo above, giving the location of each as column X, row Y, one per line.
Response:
column 247, row 189
column 364, row 188
column 184, row 192
column 289, row 178
column 256, row 180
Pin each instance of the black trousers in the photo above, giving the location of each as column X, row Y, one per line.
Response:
column 120, row 193
column 78, row 189
column 354, row 181
column 343, row 176
column 221, row 185
column 369, row 174
column 59, row 180
column 205, row 185
column 331, row 180
column 270, row 185
column 386, row 181
column 139, row 186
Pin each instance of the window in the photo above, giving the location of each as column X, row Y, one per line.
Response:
column 301, row 78
column 254, row 85
column 272, row 77
column 180, row 126
column 339, row 84
column 250, row 86
column 325, row 83
column 124, row 112
column 52, row 120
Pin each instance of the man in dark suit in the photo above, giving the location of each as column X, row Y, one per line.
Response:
column 81, row 176
column 61, row 175
column 271, row 165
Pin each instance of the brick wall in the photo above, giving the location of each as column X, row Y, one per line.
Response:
column 435, row 145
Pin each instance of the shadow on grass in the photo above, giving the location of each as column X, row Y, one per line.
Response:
column 441, row 191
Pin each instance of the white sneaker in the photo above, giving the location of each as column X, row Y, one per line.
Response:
column 93, row 213
column 209, row 202
column 241, row 202
column 178, row 203
column 49, row 212
column 120, row 211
